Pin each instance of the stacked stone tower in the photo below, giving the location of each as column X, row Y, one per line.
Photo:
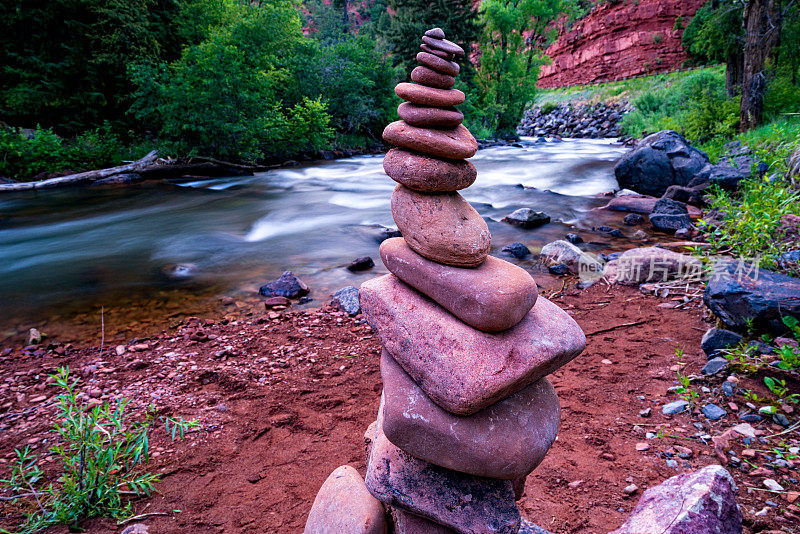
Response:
column 466, row 412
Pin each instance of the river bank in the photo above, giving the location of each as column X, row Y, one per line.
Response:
column 283, row 398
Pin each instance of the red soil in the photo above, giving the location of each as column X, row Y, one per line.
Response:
column 284, row 400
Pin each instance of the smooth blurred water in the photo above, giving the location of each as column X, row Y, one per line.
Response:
column 73, row 245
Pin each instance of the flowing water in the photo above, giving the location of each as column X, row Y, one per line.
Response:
column 82, row 247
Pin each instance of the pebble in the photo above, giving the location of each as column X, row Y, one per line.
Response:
column 642, row 446
column 606, row 362
column 714, row 366
column 714, row 412
column 456, row 143
column 727, row 388
column 425, row 76
column 672, row 463
column 435, row 117
column 674, row 407
column 649, row 435
column 631, row 489
column 772, row 485
column 646, row 412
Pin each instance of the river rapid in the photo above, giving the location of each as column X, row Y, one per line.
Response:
column 72, row 250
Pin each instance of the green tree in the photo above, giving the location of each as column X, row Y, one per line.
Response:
column 514, row 36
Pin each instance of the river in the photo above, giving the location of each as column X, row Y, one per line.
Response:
column 81, row 248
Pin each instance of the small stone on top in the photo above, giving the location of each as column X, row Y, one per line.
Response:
column 436, row 33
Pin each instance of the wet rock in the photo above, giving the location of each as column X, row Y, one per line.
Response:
column 640, row 235
column 670, row 216
column 651, row 264
column 422, row 95
column 699, row 502
column 561, row 252
column 430, row 117
column 517, row 250
column 688, row 195
column 442, row 227
column 714, row 366
column 492, row 297
column 527, row 218
column 642, row 204
column 456, row 143
column 460, row 368
column 34, row 337
column 716, row 339
column 179, row 271
column 346, row 299
column 465, row 503
column 344, row 505
column 507, row 440
column 558, row 269
column 361, row 264
column 632, row 219
column 659, row 161
column 674, row 407
column 741, row 295
column 713, row 412
column 288, row 285
column 613, row 232
column 575, row 239
column 426, row 173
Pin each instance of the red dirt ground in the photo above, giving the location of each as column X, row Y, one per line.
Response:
column 285, row 399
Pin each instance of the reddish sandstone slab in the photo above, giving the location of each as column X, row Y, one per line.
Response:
column 506, row 440
column 465, row 503
column 431, row 78
column 438, row 63
column 423, row 95
column 427, row 173
column 456, row 143
column 492, row 297
column 442, row 227
column 430, row 116
column 343, row 505
column 462, row 369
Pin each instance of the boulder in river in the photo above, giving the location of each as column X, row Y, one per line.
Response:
column 288, row 285
column 527, row 218
column 660, row 160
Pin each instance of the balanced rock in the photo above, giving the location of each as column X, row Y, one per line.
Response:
column 507, row 440
column 406, row 523
column 438, row 63
column 426, row 173
column 436, row 33
column 492, row 297
column 432, row 78
column 430, row 116
column 444, row 45
column 343, row 505
column 455, row 143
column 465, row 503
column 460, row 368
column 439, row 53
column 442, row 227
column 429, row 96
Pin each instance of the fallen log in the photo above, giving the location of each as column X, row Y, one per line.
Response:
column 81, row 177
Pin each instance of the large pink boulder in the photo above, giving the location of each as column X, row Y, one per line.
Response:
column 460, row 368
column 506, row 440
column 492, row 297
column 465, row 503
column 344, row 506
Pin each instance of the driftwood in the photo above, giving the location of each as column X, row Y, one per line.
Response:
column 81, row 177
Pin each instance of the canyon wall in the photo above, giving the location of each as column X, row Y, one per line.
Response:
column 619, row 39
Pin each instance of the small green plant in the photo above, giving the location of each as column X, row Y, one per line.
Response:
column 789, row 355
column 744, row 359
column 678, row 26
column 102, row 454
column 778, row 387
column 657, row 38
column 548, row 108
column 684, row 390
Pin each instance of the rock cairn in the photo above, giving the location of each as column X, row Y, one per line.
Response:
column 467, row 411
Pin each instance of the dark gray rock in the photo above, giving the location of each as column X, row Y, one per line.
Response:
column 527, row 218
column 632, row 219
column 517, row 250
column 669, row 215
column 689, row 195
column 608, row 230
column 558, row 269
column 288, row 285
column 526, row 527
column 659, row 161
column 361, row 264
column 714, row 366
column 716, row 339
column 741, row 295
column 703, row 502
column 727, row 389
column 750, row 417
column 575, row 239
column 713, row 412
column 346, row 299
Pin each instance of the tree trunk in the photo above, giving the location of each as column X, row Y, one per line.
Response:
column 762, row 24
column 733, row 72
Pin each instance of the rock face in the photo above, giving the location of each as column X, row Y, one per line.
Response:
column 738, row 293
column 619, row 40
column 427, row 174
column 703, row 501
column 344, row 505
column 659, row 161
column 492, row 297
column 442, row 227
column 462, row 369
column 506, row 440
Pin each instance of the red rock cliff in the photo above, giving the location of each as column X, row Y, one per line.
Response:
column 620, row 39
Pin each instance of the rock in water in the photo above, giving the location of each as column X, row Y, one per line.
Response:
column 507, row 440
column 442, row 227
column 462, row 369
column 699, row 502
column 426, row 173
column 430, row 77
column 344, row 506
column 456, row 143
column 465, row 503
column 429, row 116
column 422, row 95
column 492, row 297
column 517, row 250
column 527, row 218
column 288, row 285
